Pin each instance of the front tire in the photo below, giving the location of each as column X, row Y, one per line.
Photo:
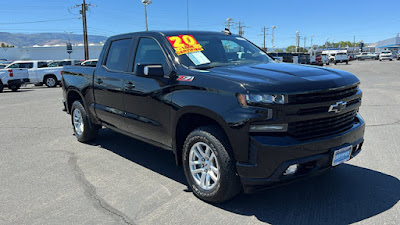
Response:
column 1, row 87
column 51, row 81
column 84, row 129
column 209, row 165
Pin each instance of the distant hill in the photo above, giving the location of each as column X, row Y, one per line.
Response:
column 20, row 40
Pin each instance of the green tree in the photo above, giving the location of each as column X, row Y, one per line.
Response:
column 291, row 48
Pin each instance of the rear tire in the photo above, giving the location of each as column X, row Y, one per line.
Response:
column 1, row 87
column 84, row 129
column 209, row 165
column 347, row 62
column 14, row 88
column 51, row 81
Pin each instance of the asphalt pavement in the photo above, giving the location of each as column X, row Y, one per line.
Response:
column 48, row 177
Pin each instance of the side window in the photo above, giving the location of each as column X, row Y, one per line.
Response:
column 26, row 65
column 149, row 52
column 42, row 64
column 118, row 55
column 15, row 65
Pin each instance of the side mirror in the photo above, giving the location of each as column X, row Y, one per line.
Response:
column 150, row 70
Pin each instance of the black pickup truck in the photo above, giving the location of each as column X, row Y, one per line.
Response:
column 234, row 118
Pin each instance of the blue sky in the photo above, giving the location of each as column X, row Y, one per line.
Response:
column 368, row 20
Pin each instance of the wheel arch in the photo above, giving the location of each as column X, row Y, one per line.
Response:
column 48, row 75
column 190, row 118
column 73, row 95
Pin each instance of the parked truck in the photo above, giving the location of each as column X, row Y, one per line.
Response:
column 39, row 72
column 13, row 78
column 234, row 118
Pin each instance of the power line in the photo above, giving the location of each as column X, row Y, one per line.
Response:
column 39, row 21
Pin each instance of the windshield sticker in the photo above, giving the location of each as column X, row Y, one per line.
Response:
column 185, row 78
column 198, row 58
column 184, row 44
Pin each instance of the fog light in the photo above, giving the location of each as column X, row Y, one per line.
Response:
column 291, row 169
column 269, row 128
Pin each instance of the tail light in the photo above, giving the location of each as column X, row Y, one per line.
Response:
column 61, row 72
column 11, row 73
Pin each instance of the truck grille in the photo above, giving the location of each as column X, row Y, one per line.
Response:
column 322, row 96
column 322, row 127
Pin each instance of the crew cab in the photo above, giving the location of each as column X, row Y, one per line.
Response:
column 234, row 118
column 13, row 78
column 39, row 72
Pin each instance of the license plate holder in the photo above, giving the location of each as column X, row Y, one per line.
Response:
column 341, row 155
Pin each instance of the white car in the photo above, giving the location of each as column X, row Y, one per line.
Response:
column 13, row 78
column 386, row 55
column 39, row 72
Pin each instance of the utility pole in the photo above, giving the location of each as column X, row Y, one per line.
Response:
column 187, row 12
column 264, row 30
column 312, row 40
column 228, row 23
column 240, row 26
column 297, row 41
column 272, row 39
column 305, row 42
column 85, row 38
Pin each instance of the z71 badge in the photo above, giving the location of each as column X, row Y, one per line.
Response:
column 185, row 78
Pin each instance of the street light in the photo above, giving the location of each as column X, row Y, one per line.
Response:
column 146, row 3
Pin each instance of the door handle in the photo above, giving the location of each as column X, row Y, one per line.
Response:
column 129, row 86
column 99, row 81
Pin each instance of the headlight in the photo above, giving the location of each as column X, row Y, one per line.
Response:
column 256, row 99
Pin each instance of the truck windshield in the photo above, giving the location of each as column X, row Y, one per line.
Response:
column 216, row 50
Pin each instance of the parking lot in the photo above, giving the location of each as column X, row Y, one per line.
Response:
column 48, row 177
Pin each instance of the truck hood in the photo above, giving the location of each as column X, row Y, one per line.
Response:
column 285, row 77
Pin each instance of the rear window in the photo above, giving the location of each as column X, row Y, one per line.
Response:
column 118, row 55
column 386, row 52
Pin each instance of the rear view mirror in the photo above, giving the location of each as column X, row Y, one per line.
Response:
column 150, row 70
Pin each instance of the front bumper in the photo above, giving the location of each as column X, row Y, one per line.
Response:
column 270, row 156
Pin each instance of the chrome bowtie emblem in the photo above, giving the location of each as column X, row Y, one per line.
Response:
column 339, row 106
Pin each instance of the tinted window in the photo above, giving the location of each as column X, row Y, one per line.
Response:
column 42, row 64
column 22, row 65
column 149, row 52
column 118, row 55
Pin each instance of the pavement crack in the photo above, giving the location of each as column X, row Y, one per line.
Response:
column 90, row 192
column 384, row 124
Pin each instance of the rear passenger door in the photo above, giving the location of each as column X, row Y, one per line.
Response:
column 108, row 82
column 148, row 114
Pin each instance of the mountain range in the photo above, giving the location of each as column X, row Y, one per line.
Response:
column 21, row 40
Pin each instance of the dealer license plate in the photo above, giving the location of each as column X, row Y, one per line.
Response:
column 341, row 155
